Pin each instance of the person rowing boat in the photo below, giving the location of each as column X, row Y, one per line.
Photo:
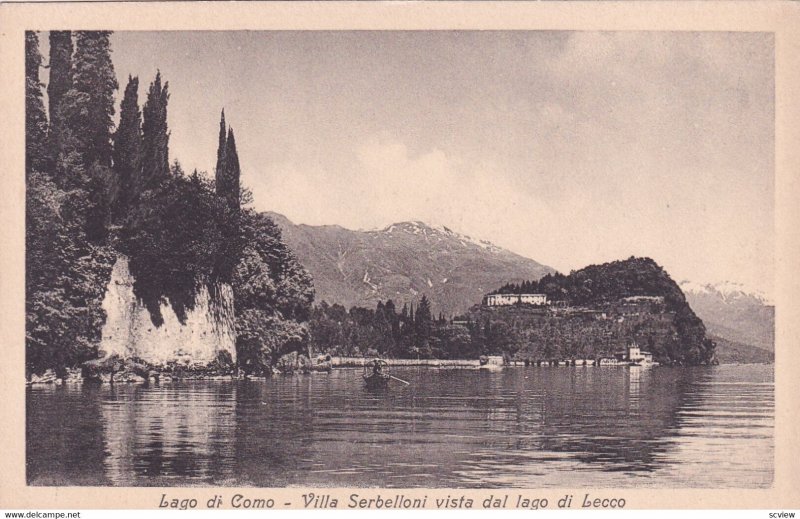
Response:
column 376, row 374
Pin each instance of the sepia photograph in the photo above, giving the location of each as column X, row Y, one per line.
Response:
column 401, row 260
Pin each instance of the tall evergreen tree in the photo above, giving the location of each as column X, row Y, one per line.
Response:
column 127, row 149
column 227, row 173
column 83, row 135
column 35, row 117
column 94, row 83
column 155, row 136
column 223, row 143
column 66, row 273
column 60, row 82
column 423, row 320
column 232, row 172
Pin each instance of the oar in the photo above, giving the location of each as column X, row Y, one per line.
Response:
column 400, row 380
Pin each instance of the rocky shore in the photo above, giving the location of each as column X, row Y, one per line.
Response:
column 116, row 370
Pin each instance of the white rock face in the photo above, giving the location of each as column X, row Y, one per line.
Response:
column 129, row 331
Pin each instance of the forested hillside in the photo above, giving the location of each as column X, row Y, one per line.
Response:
column 592, row 314
column 94, row 191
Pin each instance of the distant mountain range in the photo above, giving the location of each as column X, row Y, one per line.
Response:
column 402, row 262
column 730, row 311
column 407, row 259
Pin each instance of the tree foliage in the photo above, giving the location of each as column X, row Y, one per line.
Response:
column 66, row 271
column 89, row 195
column 127, row 150
column 405, row 334
column 93, row 85
column 155, row 138
column 228, row 172
column 174, row 236
column 66, row 280
column 602, row 285
column 273, row 296
column 35, row 117
column 60, row 81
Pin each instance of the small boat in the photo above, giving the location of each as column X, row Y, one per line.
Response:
column 491, row 362
column 375, row 374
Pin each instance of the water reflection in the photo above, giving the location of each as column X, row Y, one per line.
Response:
column 522, row 427
column 180, row 431
column 65, row 440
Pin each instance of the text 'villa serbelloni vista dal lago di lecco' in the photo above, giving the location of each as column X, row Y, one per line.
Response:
column 281, row 259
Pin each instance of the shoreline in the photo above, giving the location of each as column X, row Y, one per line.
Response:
column 74, row 376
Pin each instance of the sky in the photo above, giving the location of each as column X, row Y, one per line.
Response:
column 570, row 148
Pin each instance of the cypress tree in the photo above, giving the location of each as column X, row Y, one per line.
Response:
column 127, row 149
column 223, row 142
column 227, row 172
column 94, row 83
column 60, row 82
column 226, row 182
column 35, row 117
column 155, row 137
column 86, row 123
column 423, row 319
column 232, row 172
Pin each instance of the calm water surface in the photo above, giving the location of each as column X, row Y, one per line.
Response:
column 519, row 427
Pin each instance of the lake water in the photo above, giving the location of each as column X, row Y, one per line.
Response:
column 519, row 427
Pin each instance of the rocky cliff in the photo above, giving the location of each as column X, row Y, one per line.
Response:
column 129, row 332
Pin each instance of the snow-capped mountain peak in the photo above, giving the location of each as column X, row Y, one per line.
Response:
column 418, row 228
column 728, row 291
column 734, row 312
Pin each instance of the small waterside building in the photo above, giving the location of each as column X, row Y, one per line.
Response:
column 635, row 355
column 514, row 299
column 632, row 355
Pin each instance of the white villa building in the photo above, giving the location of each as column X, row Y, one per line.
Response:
column 513, row 299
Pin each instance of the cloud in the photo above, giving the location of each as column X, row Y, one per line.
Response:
column 388, row 183
column 568, row 147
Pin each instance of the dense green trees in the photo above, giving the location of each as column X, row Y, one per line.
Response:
column 66, row 270
column 35, row 117
column 93, row 192
column 602, row 283
column 60, row 81
column 127, row 151
column 273, row 296
column 174, row 237
column 384, row 331
column 92, row 96
column 155, row 138
column 227, row 173
column 598, row 286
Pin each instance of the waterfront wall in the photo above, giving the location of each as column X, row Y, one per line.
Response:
column 357, row 362
column 129, row 331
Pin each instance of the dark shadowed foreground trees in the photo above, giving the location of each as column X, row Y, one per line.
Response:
column 66, row 271
column 273, row 295
column 35, row 117
column 385, row 332
column 127, row 151
column 90, row 196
